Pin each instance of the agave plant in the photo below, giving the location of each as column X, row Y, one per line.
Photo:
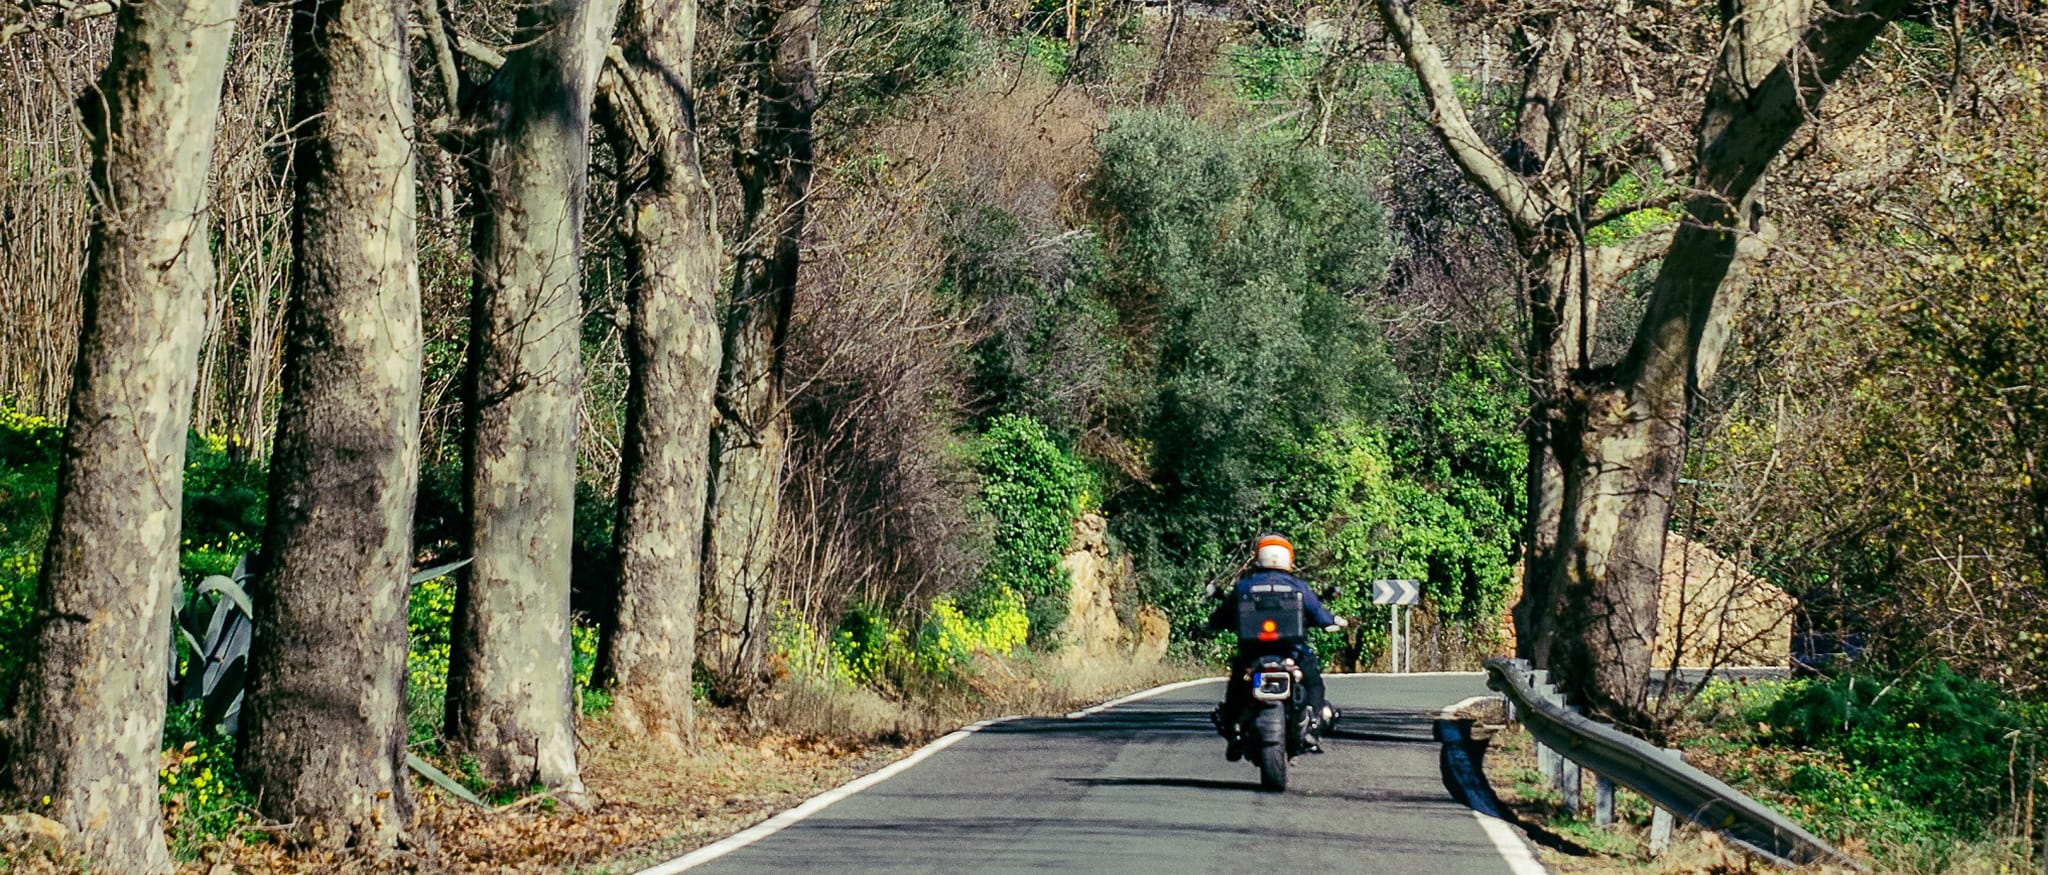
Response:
column 215, row 622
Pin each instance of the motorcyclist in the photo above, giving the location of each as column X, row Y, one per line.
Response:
column 1272, row 563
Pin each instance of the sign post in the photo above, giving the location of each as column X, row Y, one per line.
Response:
column 1397, row 594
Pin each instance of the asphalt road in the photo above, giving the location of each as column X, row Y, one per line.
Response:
column 1143, row 788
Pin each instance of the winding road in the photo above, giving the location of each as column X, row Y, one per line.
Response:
column 1142, row 787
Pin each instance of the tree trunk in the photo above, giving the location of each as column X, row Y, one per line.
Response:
column 1622, row 448
column 672, row 360
column 750, row 440
column 1622, row 438
column 323, row 742
column 87, row 719
column 1551, row 344
column 510, row 696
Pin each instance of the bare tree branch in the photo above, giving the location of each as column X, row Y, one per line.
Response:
column 35, row 16
column 1744, row 129
column 438, row 33
column 1612, row 262
column 1526, row 208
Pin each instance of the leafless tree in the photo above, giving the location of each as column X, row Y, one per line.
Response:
column 1607, row 439
column 510, row 701
column 779, row 40
column 672, row 352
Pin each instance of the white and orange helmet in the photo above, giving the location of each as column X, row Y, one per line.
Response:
column 1274, row 552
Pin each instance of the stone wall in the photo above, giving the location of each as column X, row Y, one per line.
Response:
column 1710, row 612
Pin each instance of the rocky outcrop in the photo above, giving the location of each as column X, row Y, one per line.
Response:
column 1100, row 622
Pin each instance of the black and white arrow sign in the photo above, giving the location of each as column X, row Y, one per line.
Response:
column 1396, row 592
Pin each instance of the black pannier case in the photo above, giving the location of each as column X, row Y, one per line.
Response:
column 1269, row 613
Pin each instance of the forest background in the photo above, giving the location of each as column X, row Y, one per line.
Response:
column 1204, row 271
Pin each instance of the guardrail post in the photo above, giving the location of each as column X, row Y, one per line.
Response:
column 1523, row 669
column 1546, row 759
column 1570, row 790
column 1603, row 801
column 1660, row 832
column 1660, row 822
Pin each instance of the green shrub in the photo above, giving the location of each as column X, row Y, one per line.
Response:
column 800, row 651
column 1049, row 349
column 949, row 638
column 1033, row 489
column 1938, row 742
column 867, row 645
column 1049, row 53
column 198, row 561
column 30, row 446
column 430, row 611
column 29, row 449
column 1243, row 261
column 888, row 50
column 1271, row 73
column 17, row 607
column 225, row 492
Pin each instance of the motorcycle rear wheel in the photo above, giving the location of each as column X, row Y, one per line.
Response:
column 1273, row 768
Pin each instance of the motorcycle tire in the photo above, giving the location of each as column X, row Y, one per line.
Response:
column 1273, row 768
column 1272, row 750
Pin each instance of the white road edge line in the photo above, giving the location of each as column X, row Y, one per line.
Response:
column 813, row 805
column 1138, row 696
column 826, row 799
column 1509, row 844
column 1506, row 841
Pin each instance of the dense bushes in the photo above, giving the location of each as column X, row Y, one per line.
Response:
column 1900, row 381
column 1914, row 767
column 1048, row 348
column 1936, row 741
column 870, row 649
column 1033, row 489
column 1237, row 264
column 29, row 447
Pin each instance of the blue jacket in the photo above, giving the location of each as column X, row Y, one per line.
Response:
column 1224, row 618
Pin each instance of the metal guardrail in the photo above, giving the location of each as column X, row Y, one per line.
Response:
column 1657, row 775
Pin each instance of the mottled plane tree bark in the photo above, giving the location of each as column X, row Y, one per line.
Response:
column 1623, row 432
column 1616, row 433
column 82, row 742
column 750, row 441
column 324, row 728
column 672, row 357
column 1545, row 178
column 510, row 695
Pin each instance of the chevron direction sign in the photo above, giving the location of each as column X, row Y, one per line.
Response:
column 1396, row 592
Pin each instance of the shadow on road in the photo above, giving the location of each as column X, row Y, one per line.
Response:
column 1380, row 726
column 1196, row 783
column 1111, row 724
column 1462, row 762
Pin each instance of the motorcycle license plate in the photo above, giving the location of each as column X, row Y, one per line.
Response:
column 1271, row 685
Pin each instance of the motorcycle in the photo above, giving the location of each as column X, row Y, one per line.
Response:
column 1275, row 726
column 1274, row 730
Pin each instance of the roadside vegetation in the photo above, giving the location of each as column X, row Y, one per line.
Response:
column 963, row 282
column 1928, row 773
